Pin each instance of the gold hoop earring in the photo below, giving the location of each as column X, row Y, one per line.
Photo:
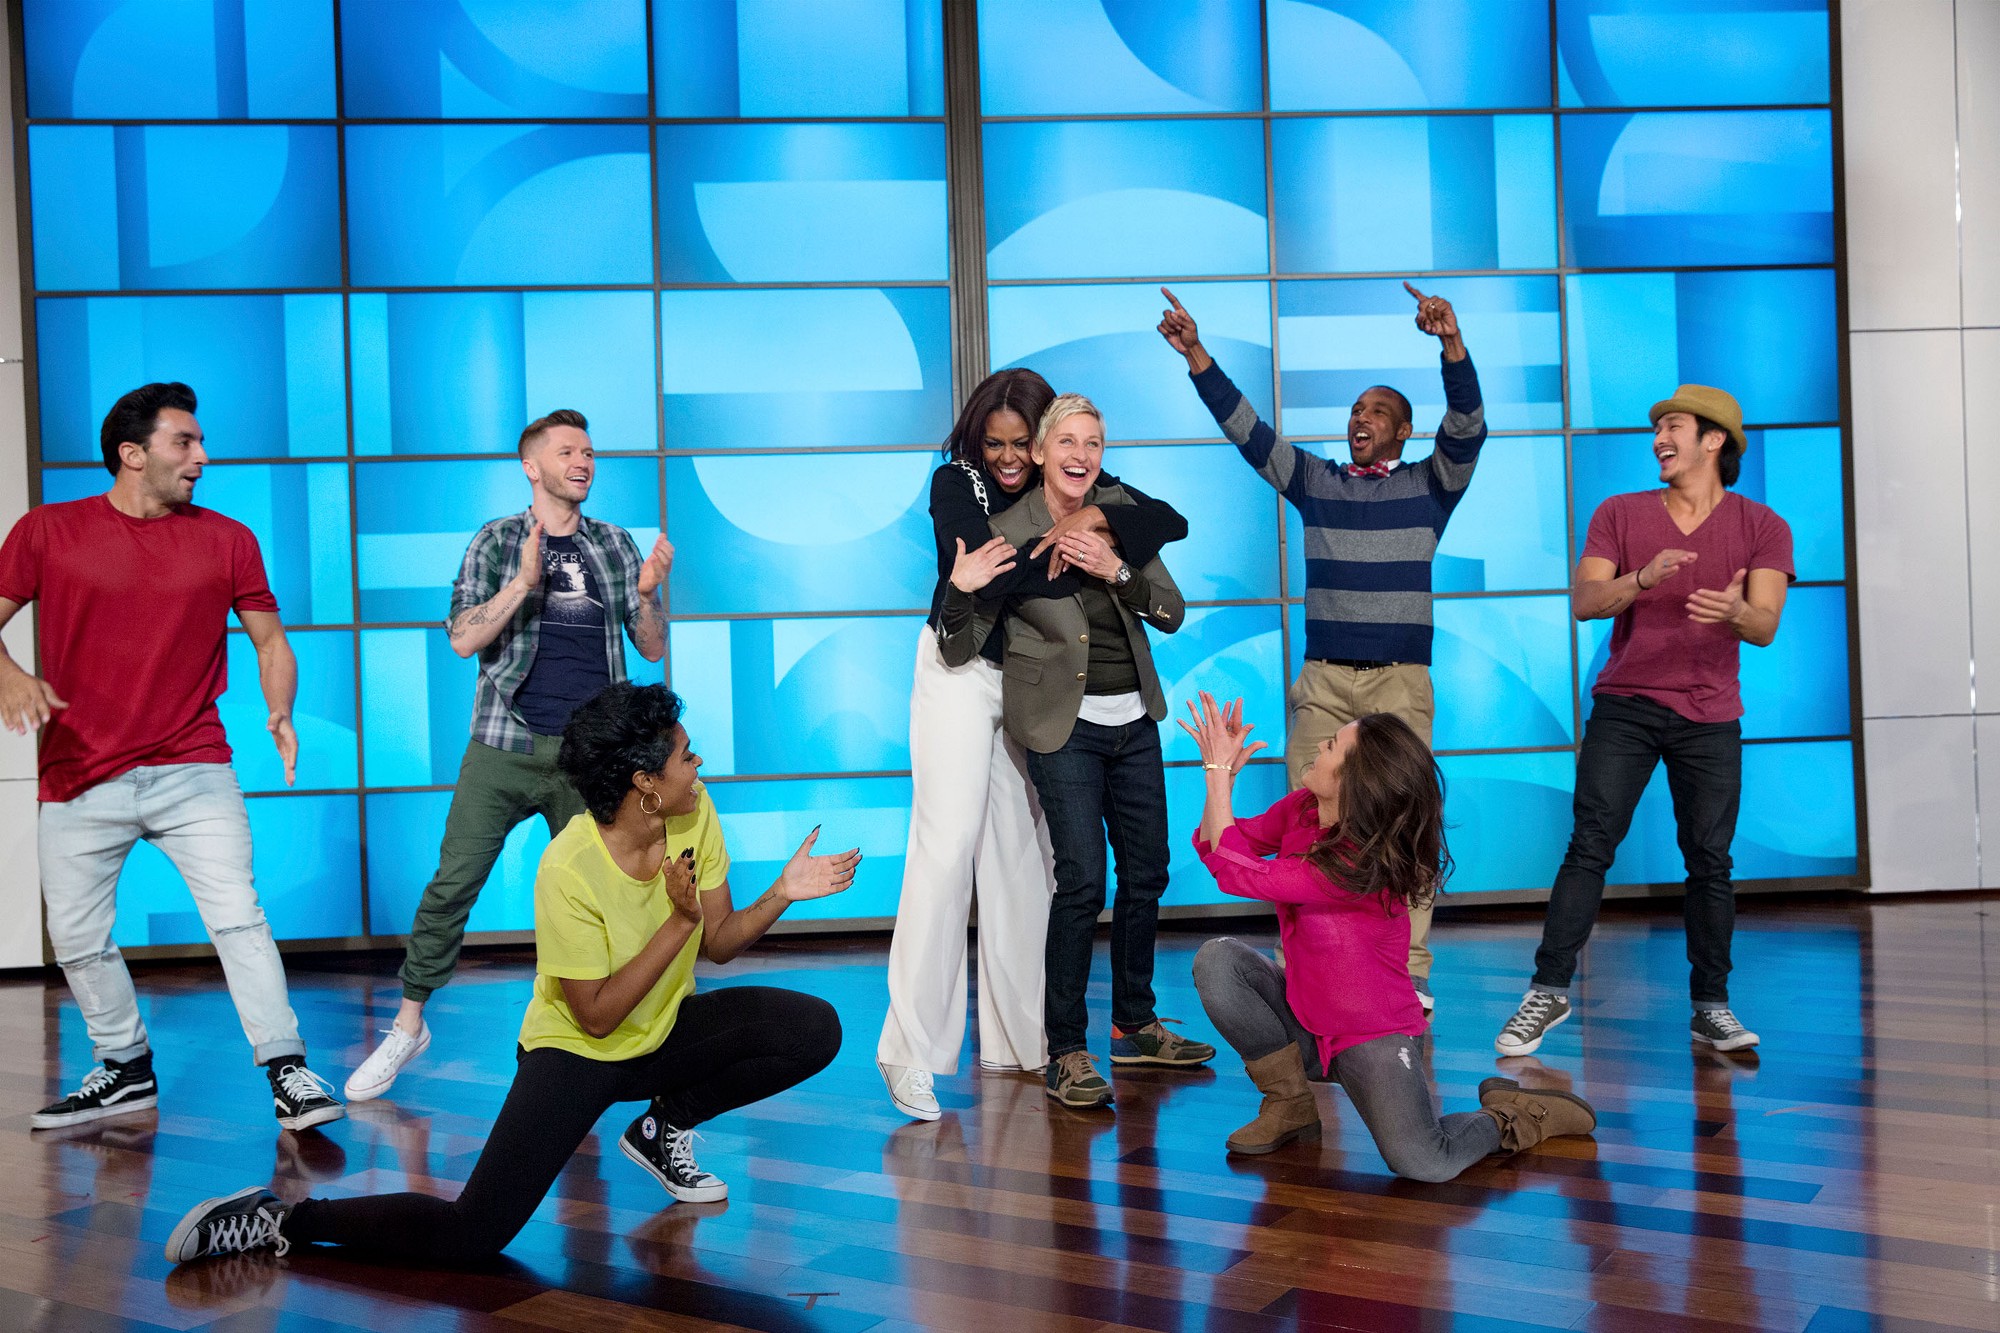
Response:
column 656, row 803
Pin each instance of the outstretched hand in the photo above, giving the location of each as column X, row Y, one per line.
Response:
column 1221, row 734
column 1663, row 567
column 808, row 876
column 1713, row 606
column 973, row 570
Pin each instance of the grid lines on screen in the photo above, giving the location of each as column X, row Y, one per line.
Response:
column 379, row 235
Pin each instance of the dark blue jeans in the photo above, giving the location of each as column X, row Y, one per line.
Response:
column 1622, row 742
column 1104, row 779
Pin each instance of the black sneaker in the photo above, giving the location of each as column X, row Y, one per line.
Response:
column 302, row 1098
column 1719, row 1028
column 668, row 1154
column 116, row 1087
column 1540, row 1010
column 246, row 1220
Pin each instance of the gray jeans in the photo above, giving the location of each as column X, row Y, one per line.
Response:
column 195, row 814
column 1244, row 993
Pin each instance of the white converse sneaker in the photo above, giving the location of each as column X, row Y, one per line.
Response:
column 378, row 1072
column 910, row 1088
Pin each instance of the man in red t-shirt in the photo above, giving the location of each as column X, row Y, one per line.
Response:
column 1688, row 574
column 135, row 588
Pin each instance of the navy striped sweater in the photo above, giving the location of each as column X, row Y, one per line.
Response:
column 1369, row 540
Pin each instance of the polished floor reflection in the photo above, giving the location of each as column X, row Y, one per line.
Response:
column 1847, row 1179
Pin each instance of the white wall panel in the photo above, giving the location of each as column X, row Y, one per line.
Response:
column 1979, row 158
column 1922, row 820
column 1901, row 124
column 1909, row 466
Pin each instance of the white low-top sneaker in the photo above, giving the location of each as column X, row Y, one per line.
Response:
column 378, row 1072
column 911, row 1090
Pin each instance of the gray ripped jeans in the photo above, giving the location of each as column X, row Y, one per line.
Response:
column 1244, row 993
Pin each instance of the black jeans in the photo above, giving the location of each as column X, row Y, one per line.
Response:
column 1624, row 739
column 1103, row 779
column 728, row 1048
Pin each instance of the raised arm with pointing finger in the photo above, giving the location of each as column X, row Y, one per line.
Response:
column 1372, row 527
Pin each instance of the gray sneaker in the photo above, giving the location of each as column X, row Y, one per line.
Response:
column 1073, row 1080
column 1719, row 1028
column 1539, row 1012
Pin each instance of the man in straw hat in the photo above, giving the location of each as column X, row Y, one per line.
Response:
column 1686, row 573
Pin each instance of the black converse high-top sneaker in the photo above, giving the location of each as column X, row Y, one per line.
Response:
column 668, row 1153
column 246, row 1220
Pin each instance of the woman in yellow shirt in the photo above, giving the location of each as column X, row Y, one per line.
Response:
column 625, row 897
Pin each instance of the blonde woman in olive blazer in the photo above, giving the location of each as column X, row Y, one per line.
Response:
column 1080, row 693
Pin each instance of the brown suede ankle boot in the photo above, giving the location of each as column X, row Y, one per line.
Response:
column 1289, row 1111
column 1529, row 1115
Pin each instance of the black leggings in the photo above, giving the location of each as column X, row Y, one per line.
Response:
column 728, row 1048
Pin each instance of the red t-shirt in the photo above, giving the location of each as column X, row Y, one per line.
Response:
column 132, row 623
column 1657, row 653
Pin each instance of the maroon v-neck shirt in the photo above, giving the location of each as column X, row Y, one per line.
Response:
column 1657, row 653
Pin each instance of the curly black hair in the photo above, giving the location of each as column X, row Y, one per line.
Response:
column 624, row 729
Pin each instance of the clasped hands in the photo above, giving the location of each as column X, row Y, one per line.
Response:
column 1076, row 542
column 1221, row 735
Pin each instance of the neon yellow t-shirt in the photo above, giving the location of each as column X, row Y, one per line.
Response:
column 591, row 918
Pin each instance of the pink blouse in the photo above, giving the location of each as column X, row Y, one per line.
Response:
column 1347, row 955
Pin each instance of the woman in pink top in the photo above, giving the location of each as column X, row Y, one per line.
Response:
column 1344, row 859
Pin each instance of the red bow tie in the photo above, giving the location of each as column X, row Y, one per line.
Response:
column 1369, row 469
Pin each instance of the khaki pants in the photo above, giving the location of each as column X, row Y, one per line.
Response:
column 1326, row 698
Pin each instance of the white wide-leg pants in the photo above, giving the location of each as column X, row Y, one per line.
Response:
column 974, row 821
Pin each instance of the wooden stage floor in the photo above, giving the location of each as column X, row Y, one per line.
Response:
column 1847, row 1180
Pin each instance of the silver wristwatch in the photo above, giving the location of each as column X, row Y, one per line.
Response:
column 1122, row 577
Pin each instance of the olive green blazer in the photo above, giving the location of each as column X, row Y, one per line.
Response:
column 1048, row 641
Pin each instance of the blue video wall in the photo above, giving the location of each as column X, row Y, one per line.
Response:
column 379, row 235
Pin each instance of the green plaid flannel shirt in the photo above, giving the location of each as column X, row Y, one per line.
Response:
column 495, row 553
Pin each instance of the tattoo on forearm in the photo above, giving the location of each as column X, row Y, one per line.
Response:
column 770, row 896
column 651, row 621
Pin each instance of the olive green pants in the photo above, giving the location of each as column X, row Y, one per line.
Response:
column 1325, row 698
column 497, row 789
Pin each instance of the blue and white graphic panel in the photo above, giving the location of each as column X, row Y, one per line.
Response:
column 1110, row 57
column 166, row 207
column 265, row 369
column 1103, row 341
column 464, row 372
column 798, row 59
column 797, row 694
column 1337, row 338
column 803, row 203
column 498, row 205
column 812, row 368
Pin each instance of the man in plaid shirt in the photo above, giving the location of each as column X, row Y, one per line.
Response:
column 543, row 597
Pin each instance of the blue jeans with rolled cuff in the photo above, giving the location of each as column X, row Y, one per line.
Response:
column 1103, row 780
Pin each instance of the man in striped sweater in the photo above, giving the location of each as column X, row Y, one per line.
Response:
column 1372, row 528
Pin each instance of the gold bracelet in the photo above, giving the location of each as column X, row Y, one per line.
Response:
column 1225, row 767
